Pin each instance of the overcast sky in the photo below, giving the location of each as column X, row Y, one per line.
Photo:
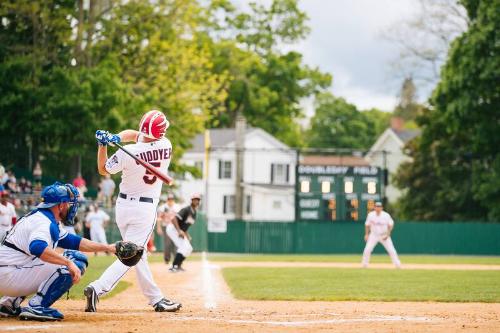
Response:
column 345, row 41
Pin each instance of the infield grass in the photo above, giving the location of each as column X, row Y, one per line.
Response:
column 97, row 265
column 347, row 284
column 356, row 258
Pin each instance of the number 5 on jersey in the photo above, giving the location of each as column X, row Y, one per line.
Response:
column 149, row 177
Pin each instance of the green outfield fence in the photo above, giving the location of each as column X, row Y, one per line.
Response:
column 341, row 237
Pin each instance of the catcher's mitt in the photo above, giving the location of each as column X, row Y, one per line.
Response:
column 128, row 253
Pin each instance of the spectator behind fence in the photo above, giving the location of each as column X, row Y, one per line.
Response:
column 11, row 183
column 106, row 190
column 81, row 185
column 8, row 216
column 37, row 177
column 25, row 186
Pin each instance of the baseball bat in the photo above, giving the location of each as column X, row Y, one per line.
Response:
column 164, row 178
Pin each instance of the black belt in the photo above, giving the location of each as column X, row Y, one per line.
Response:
column 141, row 199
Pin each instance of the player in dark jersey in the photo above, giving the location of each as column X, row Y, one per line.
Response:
column 178, row 232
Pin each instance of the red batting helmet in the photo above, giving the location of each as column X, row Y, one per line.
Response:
column 154, row 124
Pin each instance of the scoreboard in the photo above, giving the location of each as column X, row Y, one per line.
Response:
column 336, row 193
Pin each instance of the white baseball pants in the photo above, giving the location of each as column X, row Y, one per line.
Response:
column 136, row 221
column 25, row 280
column 98, row 235
column 183, row 245
column 387, row 243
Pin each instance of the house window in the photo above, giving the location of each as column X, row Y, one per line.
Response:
column 248, row 204
column 225, row 170
column 228, row 204
column 280, row 173
column 199, row 165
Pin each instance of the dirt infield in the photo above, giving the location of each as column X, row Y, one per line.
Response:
column 208, row 306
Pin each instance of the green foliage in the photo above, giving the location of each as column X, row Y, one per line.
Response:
column 69, row 69
column 455, row 173
column 338, row 124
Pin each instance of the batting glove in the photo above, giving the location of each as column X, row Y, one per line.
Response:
column 113, row 138
column 102, row 137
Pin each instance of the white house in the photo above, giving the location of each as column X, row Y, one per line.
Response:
column 268, row 176
column 388, row 153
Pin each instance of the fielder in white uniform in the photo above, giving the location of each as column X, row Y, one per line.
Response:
column 7, row 214
column 95, row 220
column 136, row 204
column 378, row 228
column 29, row 263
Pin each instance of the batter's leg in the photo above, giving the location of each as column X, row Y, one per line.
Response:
column 370, row 245
column 389, row 247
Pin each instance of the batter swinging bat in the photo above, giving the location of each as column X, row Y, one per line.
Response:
column 163, row 177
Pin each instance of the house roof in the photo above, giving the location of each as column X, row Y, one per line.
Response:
column 221, row 137
column 407, row 135
column 333, row 160
column 401, row 138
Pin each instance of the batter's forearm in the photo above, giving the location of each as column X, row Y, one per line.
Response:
column 129, row 135
column 367, row 230
column 102, row 157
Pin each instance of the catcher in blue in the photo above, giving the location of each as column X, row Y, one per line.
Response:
column 29, row 263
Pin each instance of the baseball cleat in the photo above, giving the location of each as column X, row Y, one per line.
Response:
column 7, row 311
column 165, row 305
column 92, row 299
column 40, row 313
column 173, row 270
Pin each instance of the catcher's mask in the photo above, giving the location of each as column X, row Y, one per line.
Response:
column 57, row 193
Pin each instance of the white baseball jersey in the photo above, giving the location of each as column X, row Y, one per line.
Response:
column 33, row 227
column 96, row 219
column 136, row 180
column 379, row 224
column 164, row 208
column 7, row 212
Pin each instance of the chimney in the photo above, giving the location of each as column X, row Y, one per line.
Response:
column 397, row 124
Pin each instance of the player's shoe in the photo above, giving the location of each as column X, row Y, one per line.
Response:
column 7, row 311
column 40, row 313
column 180, row 269
column 92, row 299
column 173, row 269
column 165, row 305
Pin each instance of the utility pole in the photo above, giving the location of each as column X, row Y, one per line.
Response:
column 240, row 146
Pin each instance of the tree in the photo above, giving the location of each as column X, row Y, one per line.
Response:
column 339, row 124
column 456, row 162
column 408, row 107
column 425, row 38
column 264, row 84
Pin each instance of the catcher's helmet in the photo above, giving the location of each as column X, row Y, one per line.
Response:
column 154, row 124
column 57, row 193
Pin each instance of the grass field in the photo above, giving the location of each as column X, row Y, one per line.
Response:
column 97, row 265
column 339, row 284
column 356, row 258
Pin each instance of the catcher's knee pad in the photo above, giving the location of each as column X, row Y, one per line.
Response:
column 78, row 258
column 53, row 288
